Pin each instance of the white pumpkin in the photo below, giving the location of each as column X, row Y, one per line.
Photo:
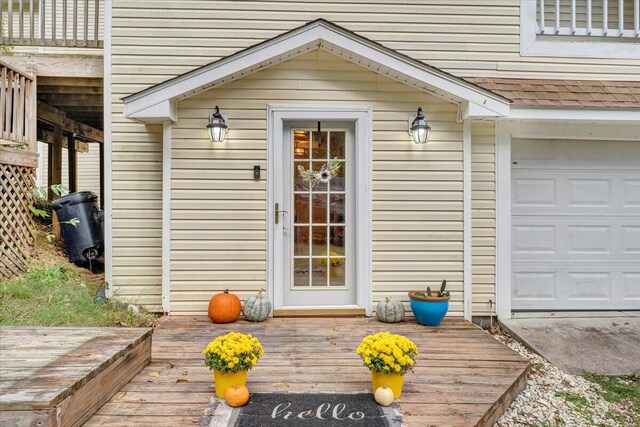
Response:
column 256, row 308
column 389, row 311
column 383, row 396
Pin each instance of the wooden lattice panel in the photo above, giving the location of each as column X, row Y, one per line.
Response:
column 17, row 229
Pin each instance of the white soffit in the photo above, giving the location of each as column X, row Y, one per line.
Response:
column 157, row 103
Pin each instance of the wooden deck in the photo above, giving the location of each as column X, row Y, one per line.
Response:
column 61, row 376
column 463, row 376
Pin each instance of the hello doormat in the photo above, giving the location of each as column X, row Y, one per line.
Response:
column 303, row 409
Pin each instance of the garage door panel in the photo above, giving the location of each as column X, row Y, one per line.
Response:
column 534, row 239
column 533, row 283
column 631, row 290
column 548, row 191
column 575, row 225
column 631, row 241
column 548, row 238
column 631, row 193
column 533, row 191
column 575, row 153
column 575, row 286
column 582, row 192
column 589, row 285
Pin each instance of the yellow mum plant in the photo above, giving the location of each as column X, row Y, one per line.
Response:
column 334, row 259
column 233, row 352
column 388, row 353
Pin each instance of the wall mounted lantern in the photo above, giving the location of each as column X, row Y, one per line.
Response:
column 217, row 127
column 418, row 128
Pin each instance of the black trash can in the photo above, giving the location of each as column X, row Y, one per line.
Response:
column 85, row 241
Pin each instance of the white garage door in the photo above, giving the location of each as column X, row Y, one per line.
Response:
column 575, row 225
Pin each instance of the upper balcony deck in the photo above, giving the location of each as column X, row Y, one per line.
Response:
column 52, row 23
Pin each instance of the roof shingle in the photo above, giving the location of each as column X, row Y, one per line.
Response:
column 564, row 93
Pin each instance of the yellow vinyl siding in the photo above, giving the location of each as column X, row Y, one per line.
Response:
column 156, row 40
column 218, row 237
column 483, row 223
column 465, row 37
column 137, row 210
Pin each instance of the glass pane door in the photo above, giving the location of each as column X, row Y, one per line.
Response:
column 319, row 209
column 318, row 231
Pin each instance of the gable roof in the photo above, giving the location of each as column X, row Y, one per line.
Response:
column 158, row 102
column 565, row 93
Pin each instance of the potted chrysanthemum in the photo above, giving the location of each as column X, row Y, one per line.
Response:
column 389, row 357
column 231, row 356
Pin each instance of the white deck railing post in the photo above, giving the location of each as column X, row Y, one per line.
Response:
column 636, row 17
column 34, row 31
column 605, row 17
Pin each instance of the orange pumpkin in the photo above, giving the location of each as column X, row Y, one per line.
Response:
column 224, row 307
column 236, row 396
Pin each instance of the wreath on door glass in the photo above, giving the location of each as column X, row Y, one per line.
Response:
column 324, row 175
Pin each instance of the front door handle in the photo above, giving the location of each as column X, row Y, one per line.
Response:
column 278, row 212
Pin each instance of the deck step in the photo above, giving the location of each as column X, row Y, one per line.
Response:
column 62, row 376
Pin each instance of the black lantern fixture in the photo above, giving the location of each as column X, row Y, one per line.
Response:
column 217, row 127
column 419, row 129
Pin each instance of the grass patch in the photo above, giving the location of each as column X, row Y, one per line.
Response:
column 579, row 402
column 60, row 295
column 623, row 391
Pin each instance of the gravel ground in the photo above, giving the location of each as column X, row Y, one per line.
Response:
column 554, row 398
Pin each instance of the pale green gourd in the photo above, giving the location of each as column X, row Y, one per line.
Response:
column 389, row 311
column 256, row 308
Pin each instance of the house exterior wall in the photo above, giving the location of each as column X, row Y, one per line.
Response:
column 218, row 227
column 156, row 40
column 483, row 214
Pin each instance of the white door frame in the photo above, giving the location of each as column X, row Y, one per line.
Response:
column 361, row 116
column 506, row 130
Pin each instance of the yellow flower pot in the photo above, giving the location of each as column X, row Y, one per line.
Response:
column 225, row 380
column 392, row 381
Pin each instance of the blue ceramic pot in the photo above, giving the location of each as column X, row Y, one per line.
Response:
column 429, row 311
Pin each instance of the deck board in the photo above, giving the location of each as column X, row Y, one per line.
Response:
column 65, row 373
column 462, row 377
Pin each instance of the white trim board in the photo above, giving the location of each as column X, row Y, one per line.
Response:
column 108, row 167
column 575, row 115
column 467, row 218
column 166, row 216
column 277, row 114
column 565, row 46
column 505, row 132
column 152, row 105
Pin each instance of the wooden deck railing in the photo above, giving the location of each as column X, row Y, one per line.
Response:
column 590, row 18
column 18, row 108
column 70, row 23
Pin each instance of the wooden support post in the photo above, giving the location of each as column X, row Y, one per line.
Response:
column 55, row 160
column 49, row 170
column 73, row 164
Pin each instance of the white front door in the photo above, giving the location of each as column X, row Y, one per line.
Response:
column 316, row 218
column 575, row 225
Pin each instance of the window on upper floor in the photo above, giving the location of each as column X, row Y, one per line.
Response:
column 581, row 28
